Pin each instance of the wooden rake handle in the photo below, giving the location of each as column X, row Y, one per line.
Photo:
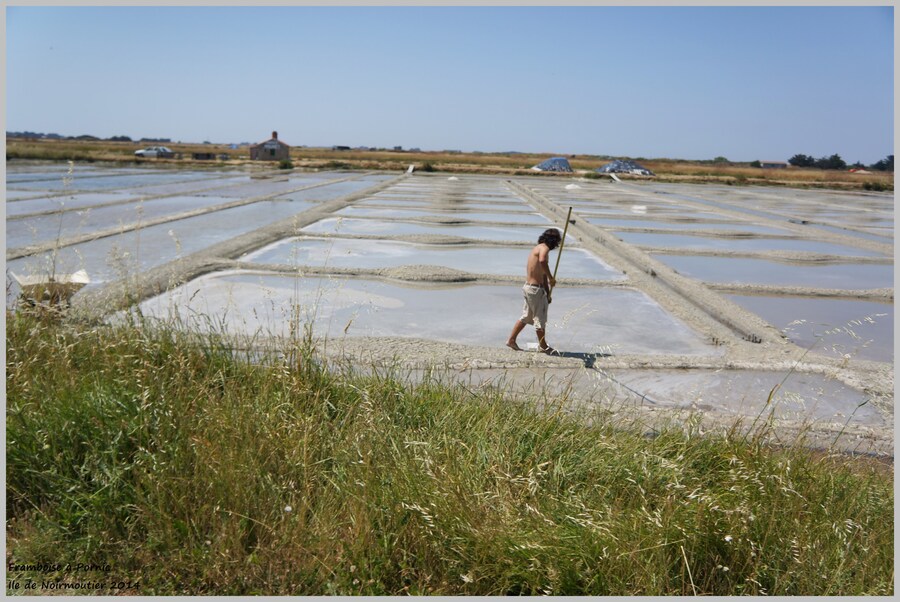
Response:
column 559, row 255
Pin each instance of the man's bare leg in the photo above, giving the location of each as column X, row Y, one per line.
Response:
column 517, row 328
column 542, row 343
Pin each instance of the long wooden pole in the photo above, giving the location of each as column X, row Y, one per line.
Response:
column 561, row 244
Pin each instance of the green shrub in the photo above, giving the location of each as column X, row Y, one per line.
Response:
column 877, row 186
column 337, row 165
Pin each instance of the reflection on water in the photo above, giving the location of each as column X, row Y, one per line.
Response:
column 761, row 271
column 352, row 253
column 686, row 241
column 371, row 227
column 512, row 217
column 643, row 223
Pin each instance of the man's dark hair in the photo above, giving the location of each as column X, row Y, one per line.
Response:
column 550, row 237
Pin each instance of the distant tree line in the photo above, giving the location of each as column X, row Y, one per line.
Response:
column 886, row 164
column 51, row 136
column 835, row 162
column 799, row 160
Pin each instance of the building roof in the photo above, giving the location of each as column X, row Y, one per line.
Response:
column 268, row 143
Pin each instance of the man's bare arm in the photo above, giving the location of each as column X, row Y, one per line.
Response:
column 547, row 277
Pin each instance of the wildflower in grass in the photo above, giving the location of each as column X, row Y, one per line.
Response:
column 174, row 237
column 728, row 538
column 287, row 508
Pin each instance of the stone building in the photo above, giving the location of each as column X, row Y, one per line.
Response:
column 270, row 150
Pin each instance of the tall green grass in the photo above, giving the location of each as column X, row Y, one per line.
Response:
column 199, row 470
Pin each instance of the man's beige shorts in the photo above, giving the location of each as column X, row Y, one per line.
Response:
column 536, row 306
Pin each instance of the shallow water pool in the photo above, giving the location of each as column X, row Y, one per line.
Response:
column 581, row 319
column 73, row 223
column 833, row 327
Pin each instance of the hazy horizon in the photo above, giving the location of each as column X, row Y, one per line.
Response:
column 694, row 83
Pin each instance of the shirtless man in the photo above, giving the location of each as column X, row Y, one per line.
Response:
column 538, row 282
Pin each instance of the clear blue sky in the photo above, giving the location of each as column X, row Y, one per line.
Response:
column 763, row 82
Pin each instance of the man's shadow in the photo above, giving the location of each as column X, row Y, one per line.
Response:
column 589, row 359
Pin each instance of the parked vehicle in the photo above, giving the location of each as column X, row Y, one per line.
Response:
column 155, row 152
